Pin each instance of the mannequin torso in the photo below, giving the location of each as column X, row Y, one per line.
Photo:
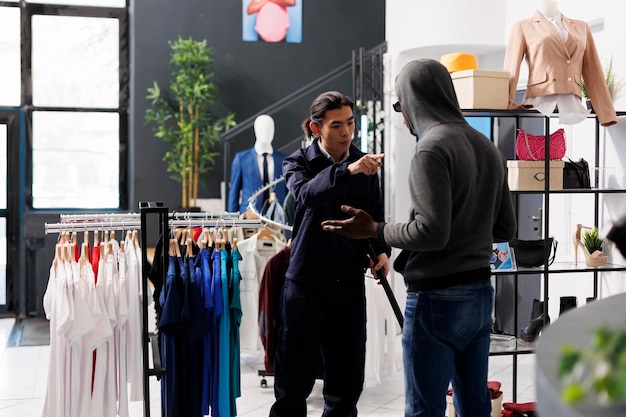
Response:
column 549, row 8
column 264, row 133
column 559, row 51
column 247, row 169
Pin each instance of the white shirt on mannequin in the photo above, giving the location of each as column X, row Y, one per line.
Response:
column 264, row 132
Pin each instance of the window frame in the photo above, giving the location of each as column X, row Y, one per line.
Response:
column 28, row 10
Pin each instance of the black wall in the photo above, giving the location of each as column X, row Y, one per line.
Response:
column 249, row 75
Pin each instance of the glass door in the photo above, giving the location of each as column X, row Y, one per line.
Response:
column 9, row 230
column 4, row 133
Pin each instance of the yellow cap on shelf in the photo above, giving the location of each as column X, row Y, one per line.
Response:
column 459, row 61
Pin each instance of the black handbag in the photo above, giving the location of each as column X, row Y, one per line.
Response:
column 576, row 174
column 400, row 263
column 531, row 253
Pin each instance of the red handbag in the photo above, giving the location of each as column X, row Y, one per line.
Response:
column 529, row 147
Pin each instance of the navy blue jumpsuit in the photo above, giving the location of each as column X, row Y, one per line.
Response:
column 323, row 298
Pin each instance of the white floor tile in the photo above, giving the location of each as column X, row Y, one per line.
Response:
column 24, row 373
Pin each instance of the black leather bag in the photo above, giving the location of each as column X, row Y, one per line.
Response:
column 530, row 253
column 576, row 174
column 400, row 263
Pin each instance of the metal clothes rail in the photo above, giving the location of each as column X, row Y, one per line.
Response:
column 118, row 223
column 166, row 220
column 252, row 205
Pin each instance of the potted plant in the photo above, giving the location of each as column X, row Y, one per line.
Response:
column 612, row 84
column 183, row 116
column 592, row 241
column 590, row 244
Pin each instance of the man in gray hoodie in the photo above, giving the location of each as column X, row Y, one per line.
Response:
column 461, row 204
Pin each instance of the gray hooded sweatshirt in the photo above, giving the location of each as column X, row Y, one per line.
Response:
column 460, row 198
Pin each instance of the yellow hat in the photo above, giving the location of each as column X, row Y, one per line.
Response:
column 459, row 61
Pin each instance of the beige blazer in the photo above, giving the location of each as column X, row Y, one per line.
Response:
column 555, row 66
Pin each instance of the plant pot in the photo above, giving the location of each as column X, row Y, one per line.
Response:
column 597, row 258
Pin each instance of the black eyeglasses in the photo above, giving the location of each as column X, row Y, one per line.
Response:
column 397, row 107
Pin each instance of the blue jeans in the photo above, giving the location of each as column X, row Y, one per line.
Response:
column 446, row 339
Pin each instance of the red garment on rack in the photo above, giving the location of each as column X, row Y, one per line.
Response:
column 269, row 296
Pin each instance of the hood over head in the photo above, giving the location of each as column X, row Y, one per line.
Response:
column 426, row 94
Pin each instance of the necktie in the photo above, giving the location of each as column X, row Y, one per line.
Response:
column 266, row 178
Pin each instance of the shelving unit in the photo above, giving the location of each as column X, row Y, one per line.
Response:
column 518, row 346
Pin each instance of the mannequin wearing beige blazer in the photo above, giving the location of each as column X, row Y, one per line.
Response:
column 555, row 66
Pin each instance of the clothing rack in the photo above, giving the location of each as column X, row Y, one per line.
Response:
column 172, row 215
column 78, row 225
column 147, row 337
column 166, row 220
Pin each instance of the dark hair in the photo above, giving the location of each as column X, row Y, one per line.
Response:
column 330, row 100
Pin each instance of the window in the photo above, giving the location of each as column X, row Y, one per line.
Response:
column 75, row 61
column 75, row 159
column 3, row 166
column 79, row 73
column 104, row 3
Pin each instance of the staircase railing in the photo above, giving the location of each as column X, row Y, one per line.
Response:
column 356, row 65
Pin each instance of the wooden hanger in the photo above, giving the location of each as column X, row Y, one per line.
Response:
column 129, row 237
column 67, row 252
column 73, row 245
column 188, row 235
column 174, row 249
column 248, row 215
column 264, row 233
column 135, row 238
column 225, row 236
column 219, row 239
column 177, row 249
column 58, row 254
column 211, row 240
column 84, row 256
column 189, row 245
column 204, row 239
column 235, row 243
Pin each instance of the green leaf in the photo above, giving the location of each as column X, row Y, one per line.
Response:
column 569, row 357
column 573, row 393
column 601, row 368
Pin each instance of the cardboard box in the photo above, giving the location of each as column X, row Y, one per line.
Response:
column 479, row 89
column 530, row 175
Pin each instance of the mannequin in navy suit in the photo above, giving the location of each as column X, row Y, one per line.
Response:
column 247, row 168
